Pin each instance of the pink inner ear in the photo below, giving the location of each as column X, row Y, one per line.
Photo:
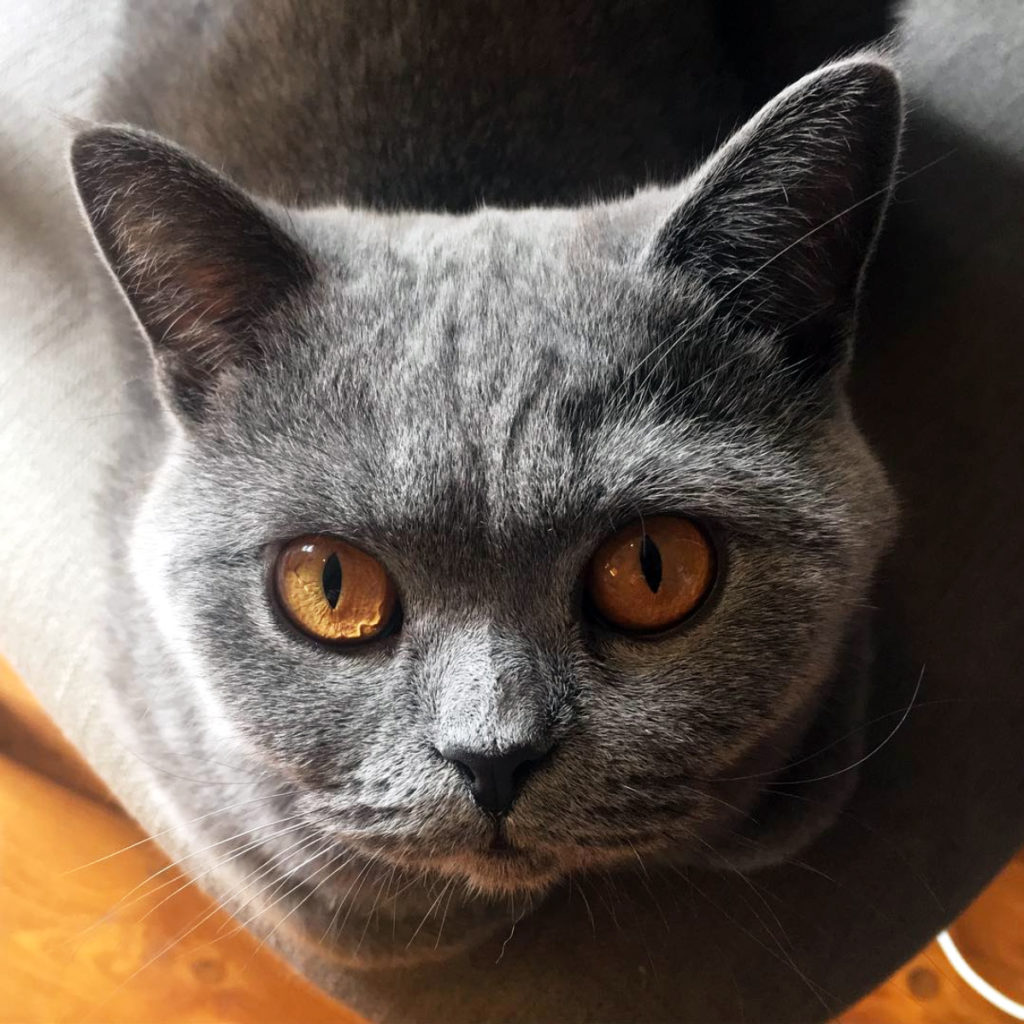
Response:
column 193, row 281
column 199, row 306
column 179, row 292
column 213, row 292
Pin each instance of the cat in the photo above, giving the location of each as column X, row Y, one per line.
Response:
column 461, row 356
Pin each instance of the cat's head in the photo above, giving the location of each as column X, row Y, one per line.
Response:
column 584, row 481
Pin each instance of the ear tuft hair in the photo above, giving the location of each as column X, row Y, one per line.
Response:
column 201, row 264
column 782, row 219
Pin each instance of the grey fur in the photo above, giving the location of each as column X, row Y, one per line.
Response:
column 478, row 400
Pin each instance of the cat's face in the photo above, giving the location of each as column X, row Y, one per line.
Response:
column 478, row 403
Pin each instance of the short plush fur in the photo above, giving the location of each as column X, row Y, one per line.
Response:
column 478, row 400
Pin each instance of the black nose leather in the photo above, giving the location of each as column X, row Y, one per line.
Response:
column 495, row 779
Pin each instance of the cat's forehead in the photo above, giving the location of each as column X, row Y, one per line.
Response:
column 506, row 328
column 426, row 441
column 422, row 239
column 487, row 301
column 543, row 260
column 501, row 368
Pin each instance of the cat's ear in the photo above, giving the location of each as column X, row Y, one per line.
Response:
column 781, row 220
column 201, row 264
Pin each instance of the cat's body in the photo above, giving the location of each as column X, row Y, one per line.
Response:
column 478, row 400
column 423, row 106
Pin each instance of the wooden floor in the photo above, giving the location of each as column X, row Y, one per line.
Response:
column 126, row 940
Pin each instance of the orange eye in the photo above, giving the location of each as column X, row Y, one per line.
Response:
column 651, row 574
column 333, row 591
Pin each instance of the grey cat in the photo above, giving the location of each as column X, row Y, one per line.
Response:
column 497, row 353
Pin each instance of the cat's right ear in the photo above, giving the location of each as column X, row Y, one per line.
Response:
column 201, row 264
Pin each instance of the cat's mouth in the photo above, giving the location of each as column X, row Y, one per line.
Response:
column 500, row 865
column 508, row 869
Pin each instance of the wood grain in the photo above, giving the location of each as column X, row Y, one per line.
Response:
column 101, row 944
column 71, row 952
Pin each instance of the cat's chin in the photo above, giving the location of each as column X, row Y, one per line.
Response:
column 508, row 871
column 409, row 915
column 523, row 871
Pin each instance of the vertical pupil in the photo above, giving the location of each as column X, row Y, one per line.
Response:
column 331, row 580
column 650, row 563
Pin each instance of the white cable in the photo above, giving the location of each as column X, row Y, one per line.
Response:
column 976, row 981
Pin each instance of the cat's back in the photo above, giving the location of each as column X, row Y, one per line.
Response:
column 419, row 104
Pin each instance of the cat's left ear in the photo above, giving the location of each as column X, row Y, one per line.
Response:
column 202, row 265
column 781, row 220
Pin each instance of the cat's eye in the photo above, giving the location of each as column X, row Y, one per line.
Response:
column 651, row 574
column 333, row 591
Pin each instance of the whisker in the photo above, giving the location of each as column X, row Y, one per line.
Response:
column 609, row 905
column 248, row 781
column 678, row 337
column 394, row 902
column 173, row 828
column 811, row 985
column 696, row 792
column 180, row 937
column 645, row 880
column 903, row 712
column 373, row 906
column 233, row 856
column 444, row 917
column 430, row 910
column 586, row 903
column 880, row 837
column 871, row 753
column 782, row 934
column 508, row 938
column 312, row 892
column 123, row 903
column 281, row 883
column 357, row 884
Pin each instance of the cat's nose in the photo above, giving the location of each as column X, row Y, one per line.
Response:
column 495, row 779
